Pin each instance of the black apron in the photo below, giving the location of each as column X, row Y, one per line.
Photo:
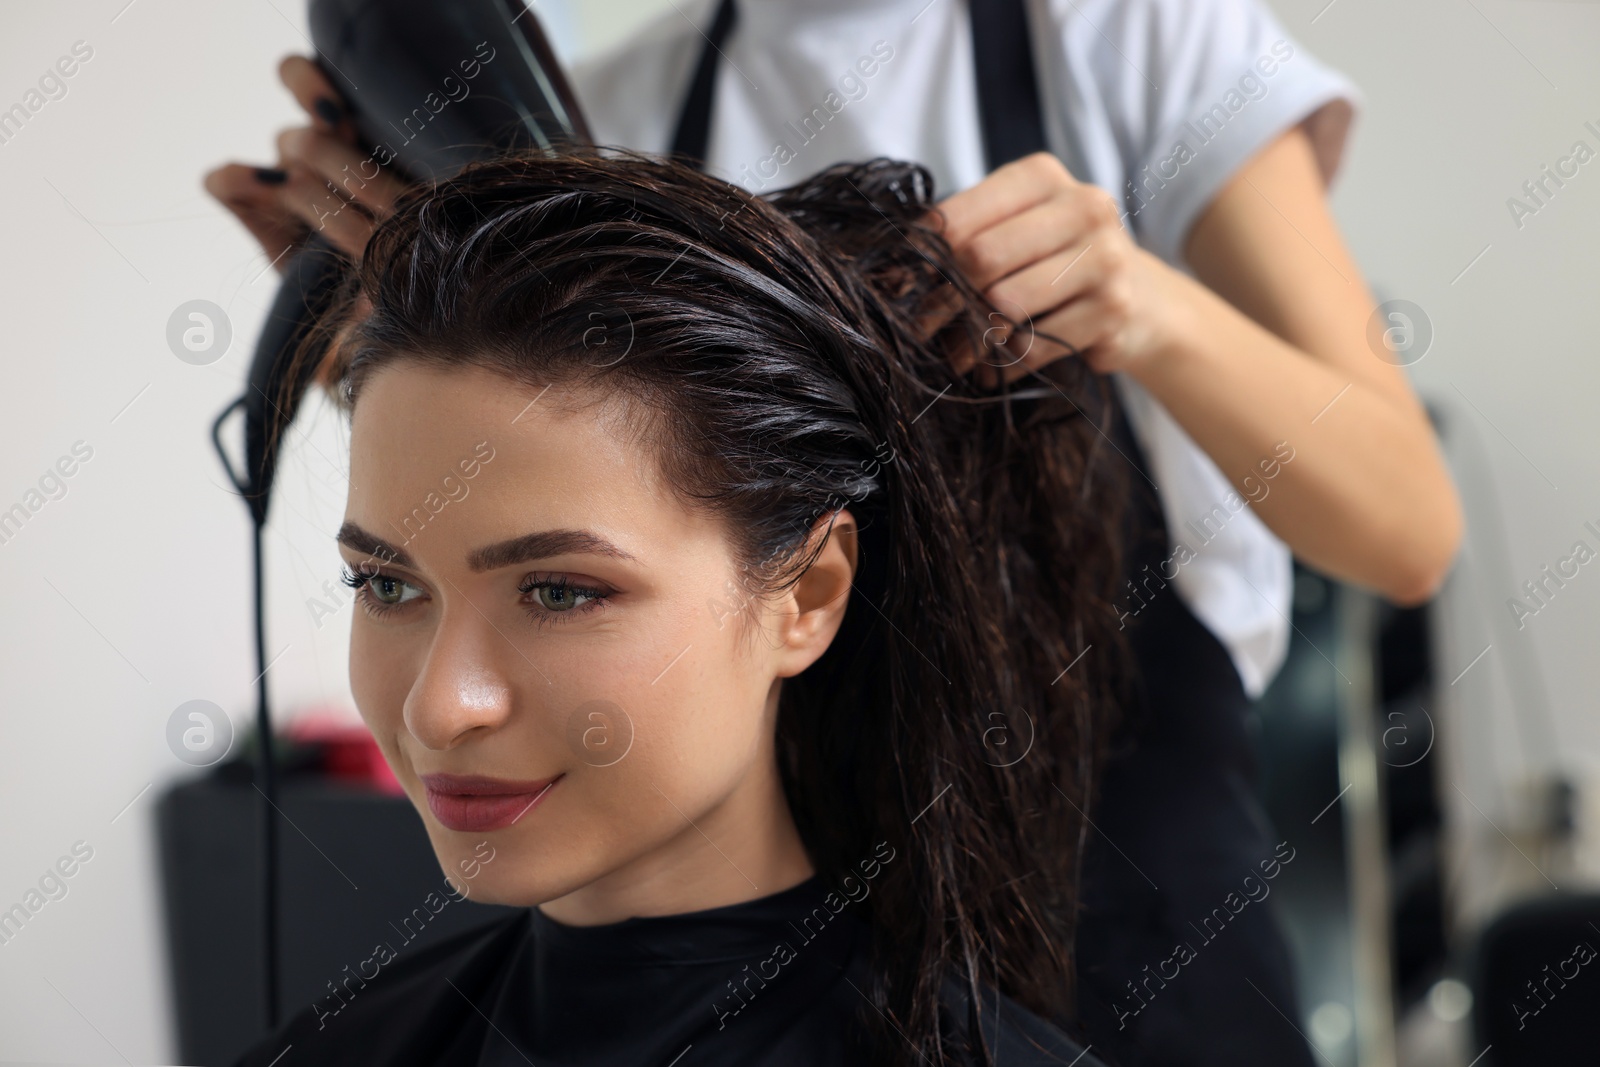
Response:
column 1179, row 826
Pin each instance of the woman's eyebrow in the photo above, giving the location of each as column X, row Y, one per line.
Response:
column 352, row 536
column 540, row 545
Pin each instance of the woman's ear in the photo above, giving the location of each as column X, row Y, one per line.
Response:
column 813, row 610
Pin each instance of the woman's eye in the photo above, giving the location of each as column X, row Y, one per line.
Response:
column 391, row 592
column 561, row 600
column 562, row 597
column 379, row 592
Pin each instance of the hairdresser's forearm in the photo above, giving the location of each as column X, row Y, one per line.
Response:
column 1367, row 497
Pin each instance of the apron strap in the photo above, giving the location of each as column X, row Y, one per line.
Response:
column 694, row 122
column 1008, row 90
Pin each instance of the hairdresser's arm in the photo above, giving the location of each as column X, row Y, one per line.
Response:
column 1276, row 337
column 1270, row 348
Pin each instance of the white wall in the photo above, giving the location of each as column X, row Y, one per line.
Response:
column 129, row 595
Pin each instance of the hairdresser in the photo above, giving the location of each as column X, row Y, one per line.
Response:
column 1145, row 180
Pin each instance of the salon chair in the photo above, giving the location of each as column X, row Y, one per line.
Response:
column 1535, row 979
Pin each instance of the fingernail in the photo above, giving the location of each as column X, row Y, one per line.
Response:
column 271, row 175
column 329, row 110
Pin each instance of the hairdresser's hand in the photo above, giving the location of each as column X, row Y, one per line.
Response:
column 322, row 182
column 1051, row 253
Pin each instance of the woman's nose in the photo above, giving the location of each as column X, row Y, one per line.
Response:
column 461, row 688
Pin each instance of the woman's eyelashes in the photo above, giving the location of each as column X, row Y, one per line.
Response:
column 378, row 592
column 555, row 599
column 559, row 599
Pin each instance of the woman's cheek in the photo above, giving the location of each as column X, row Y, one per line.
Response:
column 379, row 683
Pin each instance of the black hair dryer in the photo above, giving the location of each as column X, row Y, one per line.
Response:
column 431, row 86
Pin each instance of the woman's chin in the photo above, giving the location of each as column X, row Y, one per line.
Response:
column 509, row 868
column 518, row 893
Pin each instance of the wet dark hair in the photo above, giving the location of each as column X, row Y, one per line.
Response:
column 778, row 346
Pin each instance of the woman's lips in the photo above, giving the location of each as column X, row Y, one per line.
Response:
column 472, row 804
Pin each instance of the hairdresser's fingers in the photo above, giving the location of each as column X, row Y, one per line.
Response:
column 958, row 348
column 963, row 350
column 1114, row 317
column 1094, row 325
column 317, row 95
column 1047, row 284
column 1073, row 215
column 1100, row 273
column 356, row 176
column 341, row 222
column 1007, row 191
column 938, row 310
column 1034, row 344
column 1009, row 342
column 252, row 195
column 960, row 354
column 1010, row 346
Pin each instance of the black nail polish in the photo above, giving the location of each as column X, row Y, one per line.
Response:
column 271, row 175
column 329, row 110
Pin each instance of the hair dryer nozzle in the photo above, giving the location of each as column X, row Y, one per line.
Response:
column 435, row 84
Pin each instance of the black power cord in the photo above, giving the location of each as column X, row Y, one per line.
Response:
column 265, row 770
column 308, row 285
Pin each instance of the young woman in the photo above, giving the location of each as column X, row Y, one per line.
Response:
column 712, row 617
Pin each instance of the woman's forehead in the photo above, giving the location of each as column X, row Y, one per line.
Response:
column 509, row 458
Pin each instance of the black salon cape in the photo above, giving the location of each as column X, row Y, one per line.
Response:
column 774, row 982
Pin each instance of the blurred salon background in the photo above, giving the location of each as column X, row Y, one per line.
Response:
column 1435, row 770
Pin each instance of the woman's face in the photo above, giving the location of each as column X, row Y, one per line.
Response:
column 549, row 651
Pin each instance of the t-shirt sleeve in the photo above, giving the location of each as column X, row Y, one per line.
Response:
column 1223, row 80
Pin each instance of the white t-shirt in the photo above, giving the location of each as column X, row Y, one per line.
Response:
column 1158, row 101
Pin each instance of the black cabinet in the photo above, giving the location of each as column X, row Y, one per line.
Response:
column 356, row 869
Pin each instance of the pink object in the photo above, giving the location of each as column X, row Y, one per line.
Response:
column 350, row 753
